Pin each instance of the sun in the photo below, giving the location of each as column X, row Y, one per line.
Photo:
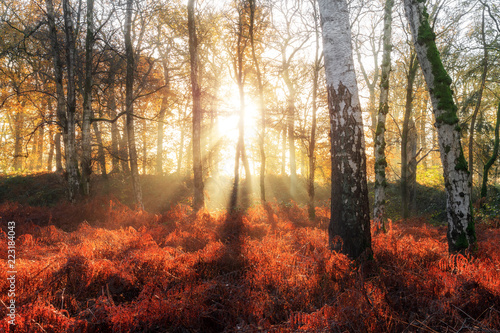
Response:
column 229, row 133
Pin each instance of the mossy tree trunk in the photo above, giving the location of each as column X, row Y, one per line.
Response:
column 350, row 216
column 380, row 159
column 461, row 231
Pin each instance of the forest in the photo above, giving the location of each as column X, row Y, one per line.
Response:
column 249, row 166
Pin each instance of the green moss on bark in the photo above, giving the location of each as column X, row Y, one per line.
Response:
column 442, row 81
column 461, row 163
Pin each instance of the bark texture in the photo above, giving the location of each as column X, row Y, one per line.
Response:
column 70, row 138
column 350, row 217
column 461, row 231
column 380, row 159
column 408, row 142
column 198, row 200
column 86, row 162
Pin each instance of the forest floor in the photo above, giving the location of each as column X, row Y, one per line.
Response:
column 101, row 266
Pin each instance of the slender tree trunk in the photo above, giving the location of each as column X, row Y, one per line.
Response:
column 58, row 66
column 144, row 147
column 161, row 120
column 492, row 159
column 312, row 142
column 423, row 132
column 199, row 200
column 50, row 157
column 57, row 140
column 461, row 230
column 70, row 144
column 58, row 77
column 380, row 158
column 86, row 162
column 129, row 105
column 100, row 152
column 350, row 216
column 261, row 105
column 478, row 104
column 123, row 151
column 290, row 123
column 180, row 155
column 18, row 140
column 111, row 109
column 40, row 141
column 411, row 175
column 283, row 152
column 34, row 151
column 405, row 153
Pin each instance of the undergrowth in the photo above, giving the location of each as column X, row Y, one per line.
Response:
column 268, row 269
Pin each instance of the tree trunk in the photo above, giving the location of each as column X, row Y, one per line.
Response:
column 101, row 157
column 461, row 230
column 18, row 140
column 129, row 107
column 478, row 104
column 50, row 157
column 283, row 152
column 290, row 124
column 58, row 68
column 161, row 119
column 86, row 162
column 115, row 132
column 70, row 143
column 380, row 159
column 123, row 151
column 405, row 152
column 180, row 154
column 350, row 216
column 144, row 147
column 261, row 105
column 492, row 159
column 58, row 77
column 59, row 165
column 312, row 141
column 198, row 200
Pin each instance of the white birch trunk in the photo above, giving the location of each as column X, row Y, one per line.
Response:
column 350, row 217
column 461, row 231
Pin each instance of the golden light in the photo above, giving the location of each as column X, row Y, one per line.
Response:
column 229, row 133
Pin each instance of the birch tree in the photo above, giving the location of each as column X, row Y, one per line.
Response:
column 461, row 231
column 350, row 216
column 380, row 159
